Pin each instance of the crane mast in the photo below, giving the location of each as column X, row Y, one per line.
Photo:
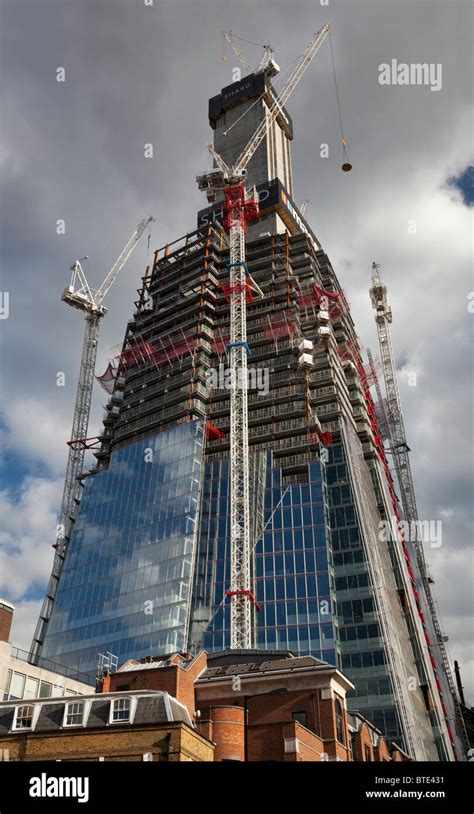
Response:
column 240, row 589
column 240, row 207
column 400, row 450
column 80, row 295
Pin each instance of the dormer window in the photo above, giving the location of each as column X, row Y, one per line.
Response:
column 120, row 710
column 74, row 713
column 23, row 718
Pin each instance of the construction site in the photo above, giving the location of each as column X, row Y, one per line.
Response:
column 249, row 516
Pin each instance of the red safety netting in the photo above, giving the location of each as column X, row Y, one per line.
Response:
column 147, row 352
column 219, row 345
column 313, row 296
column 237, row 209
column 324, row 437
column 278, row 329
column 228, row 289
column 349, row 352
column 213, row 433
column 107, row 380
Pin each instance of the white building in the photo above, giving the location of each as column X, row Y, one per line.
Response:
column 21, row 680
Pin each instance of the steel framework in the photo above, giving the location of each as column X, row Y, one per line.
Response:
column 238, row 208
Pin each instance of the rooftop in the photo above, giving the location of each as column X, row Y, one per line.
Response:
column 147, row 707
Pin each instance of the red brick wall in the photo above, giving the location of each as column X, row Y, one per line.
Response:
column 267, row 742
column 361, row 740
column 160, row 678
column 381, row 750
column 6, row 618
column 266, row 711
column 186, row 679
column 273, row 708
column 224, row 725
column 334, row 748
column 177, row 682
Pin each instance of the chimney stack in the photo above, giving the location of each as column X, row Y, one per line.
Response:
column 6, row 618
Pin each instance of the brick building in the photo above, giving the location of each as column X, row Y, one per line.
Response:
column 249, row 705
column 131, row 726
column 368, row 743
column 262, row 705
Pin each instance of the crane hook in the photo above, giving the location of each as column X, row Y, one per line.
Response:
column 346, row 164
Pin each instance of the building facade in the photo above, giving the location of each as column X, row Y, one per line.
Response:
column 19, row 679
column 147, row 565
column 257, row 705
column 146, row 726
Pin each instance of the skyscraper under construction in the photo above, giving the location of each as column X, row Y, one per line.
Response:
column 147, row 566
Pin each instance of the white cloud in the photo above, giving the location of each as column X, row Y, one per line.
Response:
column 35, row 430
column 27, row 534
column 24, row 623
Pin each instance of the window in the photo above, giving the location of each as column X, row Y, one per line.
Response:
column 74, row 714
column 57, row 691
column 45, row 689
column 367, row 754
column 31, row 687
column 23, row 717
column 339, row 722
column 300, row 717
column 120, row 710
column 17, row 685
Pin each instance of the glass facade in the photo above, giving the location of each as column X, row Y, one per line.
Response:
column 311, row 579
column 363, row 656
column 126, row 582
column 292, row 573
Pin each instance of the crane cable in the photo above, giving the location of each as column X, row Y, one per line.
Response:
column 346, row 166
column 250, row 42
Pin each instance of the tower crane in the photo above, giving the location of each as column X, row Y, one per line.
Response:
column 240, row 207
column 237, row 51
column 266, row 64
column 400, row 451
column 80, row 295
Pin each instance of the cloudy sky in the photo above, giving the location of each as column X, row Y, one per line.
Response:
column 138, row 74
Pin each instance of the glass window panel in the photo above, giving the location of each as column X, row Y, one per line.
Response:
column 121, row 710
column 74, row 715
column 57, row 691
column 23, row 717
column 17, row 685
column 31, row 687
